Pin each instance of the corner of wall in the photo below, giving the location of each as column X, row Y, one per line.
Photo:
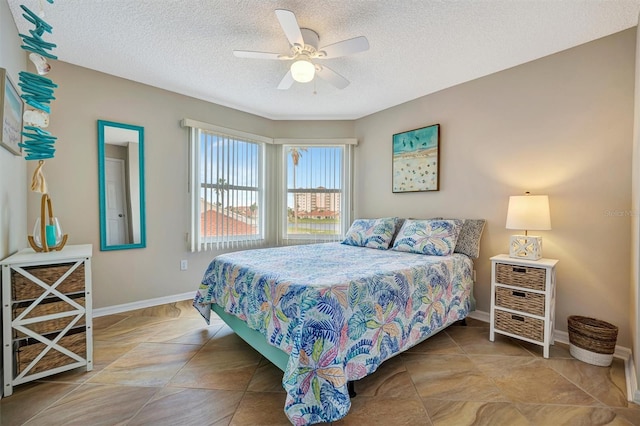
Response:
column 13, row 190
column 634, row 285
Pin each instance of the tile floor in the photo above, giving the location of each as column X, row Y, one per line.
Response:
column 164, row 366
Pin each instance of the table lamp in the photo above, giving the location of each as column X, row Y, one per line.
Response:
column 528, row 213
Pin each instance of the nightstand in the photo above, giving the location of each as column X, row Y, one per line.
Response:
column 523, row 299
column 46, row 313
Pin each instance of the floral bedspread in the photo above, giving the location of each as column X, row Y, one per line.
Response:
column 339, row 311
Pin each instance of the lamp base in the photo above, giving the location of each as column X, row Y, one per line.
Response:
column 525, row 247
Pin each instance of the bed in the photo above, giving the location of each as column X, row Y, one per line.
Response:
column 328, row 314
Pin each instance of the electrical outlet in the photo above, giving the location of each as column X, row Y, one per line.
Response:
column 183, row 265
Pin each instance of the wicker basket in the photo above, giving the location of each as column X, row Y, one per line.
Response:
column 523, row 301
column 47, row 307
column 25, row 289
column 76, row 343
column 521, row 276
column 520, row 325
column 591, row 340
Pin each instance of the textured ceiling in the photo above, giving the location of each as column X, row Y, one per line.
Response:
column 417, row 47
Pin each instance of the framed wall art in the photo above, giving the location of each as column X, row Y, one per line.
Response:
column 10, row 114
column 416, row 160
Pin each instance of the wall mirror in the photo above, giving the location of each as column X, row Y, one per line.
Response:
column 121, row 181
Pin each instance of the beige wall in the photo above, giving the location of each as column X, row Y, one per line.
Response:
column 634, row 294
column 13, row 169
column 313, row 129
column 561, row 126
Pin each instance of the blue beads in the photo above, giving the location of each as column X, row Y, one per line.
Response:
column 38, row 143
column 37, row 91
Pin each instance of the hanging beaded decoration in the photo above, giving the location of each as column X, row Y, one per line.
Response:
column 37, row 91
column 38, row 144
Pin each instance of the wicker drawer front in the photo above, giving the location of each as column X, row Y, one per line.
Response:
column 52, row 325
column 523, row 301
column 76, row 343
column 24, row 289
column 521, row 325
column 521, row 276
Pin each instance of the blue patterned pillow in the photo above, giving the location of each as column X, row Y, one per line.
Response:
column 372, row 233
column 469, row 239
column 433, row 237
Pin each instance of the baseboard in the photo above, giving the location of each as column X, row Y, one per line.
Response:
column 480, row 316
column 632, row 384
column 118, row 309
column 621, row 352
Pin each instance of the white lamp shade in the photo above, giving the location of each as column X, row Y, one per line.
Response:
column 302, row 71
column 529, row 213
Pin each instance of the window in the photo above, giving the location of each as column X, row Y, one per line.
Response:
column 227, row 190
column 317, row 197
column 248, row 190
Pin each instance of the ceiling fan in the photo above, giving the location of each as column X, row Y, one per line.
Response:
column 304, row 49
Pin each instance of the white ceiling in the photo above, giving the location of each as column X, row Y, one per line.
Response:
column 417, row 47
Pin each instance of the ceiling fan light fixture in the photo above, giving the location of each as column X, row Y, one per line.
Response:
column 303, row 49
column 303, row 71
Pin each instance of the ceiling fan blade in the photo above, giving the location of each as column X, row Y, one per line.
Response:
column 286, row 82
column 332, row 77
column 345, row 47
column 290, row 26
column 258, row 55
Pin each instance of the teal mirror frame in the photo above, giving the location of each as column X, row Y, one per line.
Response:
column 105, row 131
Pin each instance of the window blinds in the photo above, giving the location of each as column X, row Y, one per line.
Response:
column 227, row 191
column 315, row 193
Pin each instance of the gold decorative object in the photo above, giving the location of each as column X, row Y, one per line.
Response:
column 50, row 233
